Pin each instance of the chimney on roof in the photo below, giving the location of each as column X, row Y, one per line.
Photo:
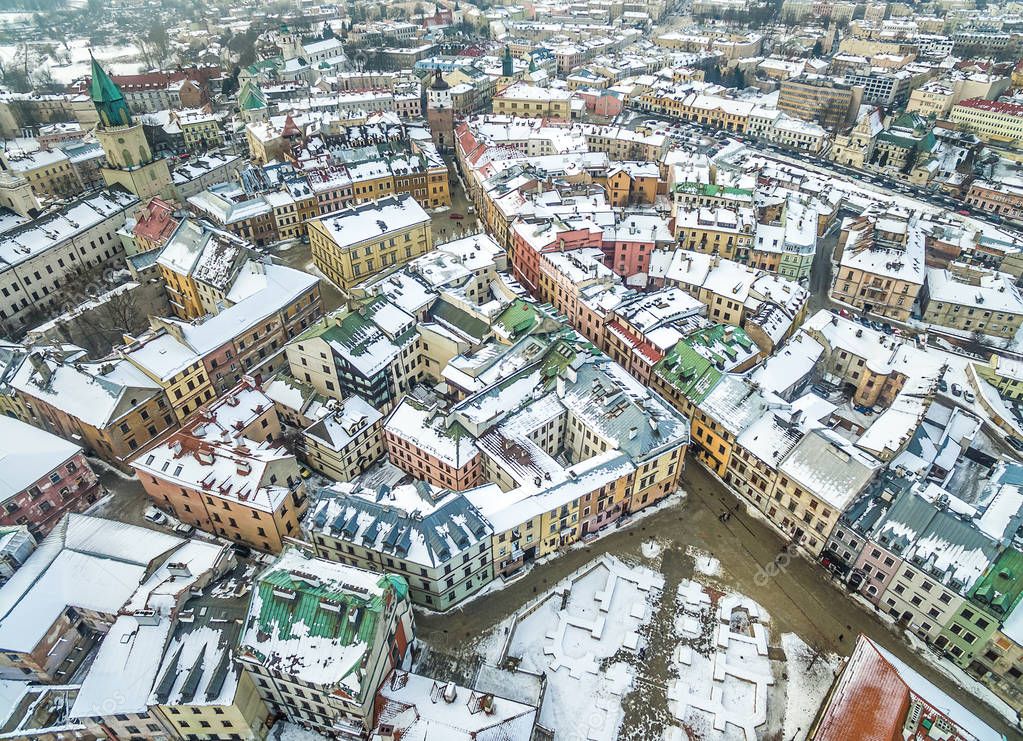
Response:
column 41, row 367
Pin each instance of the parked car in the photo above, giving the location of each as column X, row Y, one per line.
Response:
column 183, row 528
column 457, row 217
column 862, row 409
column 968, row 396
column 957, row 390
column 304, row 472
column 155, row 516
column 942, row 385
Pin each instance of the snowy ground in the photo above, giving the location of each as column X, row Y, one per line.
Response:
column 809, row 673
column 71, row 62
column 722, row 665
column 284, row 731
column 575, row 634
column 596, row 636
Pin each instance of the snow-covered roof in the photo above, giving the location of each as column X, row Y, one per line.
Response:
column 409, row 705
column 373, row 220
column 428, row 429
column 85, row 562
column 994, row 292
column 124, row 669
column 416, row 523
column 45, row 232
column 340, row 425
column 282, row 633
column 96, row 393
column 27, row 454
column 829, row 468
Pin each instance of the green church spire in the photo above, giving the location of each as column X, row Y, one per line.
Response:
column 507, row 66
column 108, row 98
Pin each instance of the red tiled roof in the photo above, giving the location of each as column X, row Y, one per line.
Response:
column 290, row 128
column 156, row 222
column 153, row 80
column 869, row 701
column 1012, row 109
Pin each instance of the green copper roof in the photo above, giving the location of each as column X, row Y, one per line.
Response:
column 108, row 98
column 265, row 65
column 518, row 318
column 354, row 619
column 1000, row 587
column 459, row 319
column 688, row 371
column 251, row 97
column 103, row 89
column 709, row 189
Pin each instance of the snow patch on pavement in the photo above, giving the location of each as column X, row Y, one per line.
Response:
column 575, row 632
column 810, row 674
column 651, row 549
column 703, row 562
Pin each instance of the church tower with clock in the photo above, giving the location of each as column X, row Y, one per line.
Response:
column 130, row 160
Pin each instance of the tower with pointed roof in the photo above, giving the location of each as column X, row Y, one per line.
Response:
column 439, row 112
column 252, row 105
column 130, row 160
column 108, row 98
column 507, row 65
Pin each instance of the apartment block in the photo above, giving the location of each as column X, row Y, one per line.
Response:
column 49, row 172
column 364, row 636
column 822, row 100
column 991, row 120
column 266, row 306
column 1002, row 198
column 111, row 406
column 224, row 472
column 345, row 440
column 358, row 242
column 720, row 231
column 521, row 99
column 972, row 300
column 881, row 266
column 41, row 259
column 372, row 352
column 45, row 477
column 398, row 530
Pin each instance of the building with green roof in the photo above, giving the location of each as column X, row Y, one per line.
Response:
column 988, row 603
column 708, row 195
column 252, row 104
column 320, row 637
column 129, row 158
column 108, row 98
column 685, row 376
column 359, row 352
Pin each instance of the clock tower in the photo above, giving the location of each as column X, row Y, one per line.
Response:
column 130, row 161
